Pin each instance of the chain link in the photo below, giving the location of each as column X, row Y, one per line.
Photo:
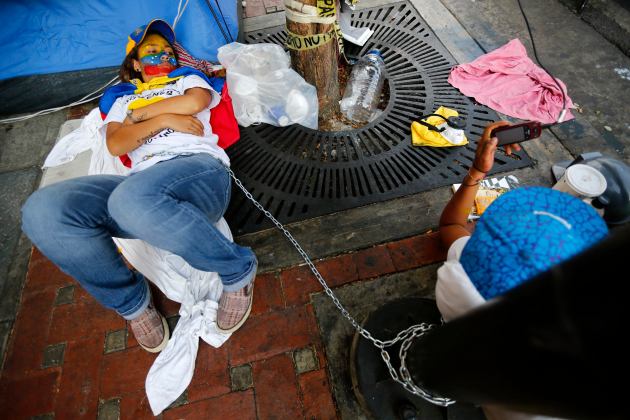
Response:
column 405, row 337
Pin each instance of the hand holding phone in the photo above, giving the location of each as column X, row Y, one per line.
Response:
column 488, row 135
column 517, row 133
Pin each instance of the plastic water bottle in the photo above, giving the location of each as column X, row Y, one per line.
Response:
column 364, row 87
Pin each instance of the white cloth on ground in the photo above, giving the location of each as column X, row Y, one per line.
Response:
column 197, row 291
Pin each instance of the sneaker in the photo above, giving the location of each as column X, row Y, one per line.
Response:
column 150, row 330
column 234, row 308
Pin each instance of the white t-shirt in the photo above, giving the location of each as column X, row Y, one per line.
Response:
column 168, row 143
column 455, row 294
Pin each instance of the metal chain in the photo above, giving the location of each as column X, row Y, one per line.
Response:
column 405, row 337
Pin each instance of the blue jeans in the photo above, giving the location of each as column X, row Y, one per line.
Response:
column 172, row 205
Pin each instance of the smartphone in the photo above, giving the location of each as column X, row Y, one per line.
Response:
column 517, row 133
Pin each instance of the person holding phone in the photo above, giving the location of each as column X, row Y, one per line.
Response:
column 522, row 233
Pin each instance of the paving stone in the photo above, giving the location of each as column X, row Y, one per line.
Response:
column 79, row 385
column 402, row 254
column 15, row 187
column 212, row 376
column 109, row 410
column 316, row 395
column 241, row 377
column 235, row 405
column 254, row 8
column 49, row 416
column 115, row 340
column 30, row 335
column 25, row 144
column 136, row 406
column 277, row 394
column 65, row 295
column 297, row 285
column 53, row 355
column 267, row 294
column 338, row 270
column 181, row 400
column 261, row 22
column 272, row 6
column 167, row 307
column 44, row 275
column 270, row 334
column 373, row 262
column 416, row 251
column 14, row 286
column 83, row 319
column 124, row 372
column 28, row 396
column 305, row 360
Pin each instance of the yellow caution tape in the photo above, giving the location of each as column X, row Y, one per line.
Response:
column 339, row 38
column 326, row 8
column 308, row 42
column 326, row 13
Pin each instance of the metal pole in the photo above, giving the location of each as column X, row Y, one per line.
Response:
column 553, row 346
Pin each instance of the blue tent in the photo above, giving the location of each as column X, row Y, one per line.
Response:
column 57, row 51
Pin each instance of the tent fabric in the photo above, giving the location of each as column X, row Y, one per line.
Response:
column 51, row 36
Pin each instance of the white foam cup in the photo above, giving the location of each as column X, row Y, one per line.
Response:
column 582, row 181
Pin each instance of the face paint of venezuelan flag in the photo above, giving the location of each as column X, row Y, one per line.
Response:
column 158, row 64
column 160, row 58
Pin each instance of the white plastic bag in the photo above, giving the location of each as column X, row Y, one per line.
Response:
column 264, row 89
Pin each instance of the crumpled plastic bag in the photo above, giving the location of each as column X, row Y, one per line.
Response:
column 264, row 89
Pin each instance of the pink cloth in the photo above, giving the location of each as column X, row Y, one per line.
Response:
column 509, row 82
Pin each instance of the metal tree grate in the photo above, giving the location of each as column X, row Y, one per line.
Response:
column 298, row 173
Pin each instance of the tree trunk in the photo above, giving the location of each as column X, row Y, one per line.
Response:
column 318, row 65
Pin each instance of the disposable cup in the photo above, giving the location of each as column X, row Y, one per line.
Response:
column 582, row 181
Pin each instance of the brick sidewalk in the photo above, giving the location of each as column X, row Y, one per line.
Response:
column 254, row 8
column 70, row 358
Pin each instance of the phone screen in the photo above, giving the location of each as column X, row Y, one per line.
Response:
column 513, row 135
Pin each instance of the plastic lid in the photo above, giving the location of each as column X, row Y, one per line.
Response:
column 586, row 180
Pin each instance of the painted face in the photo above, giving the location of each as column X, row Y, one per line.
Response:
column 156, row 56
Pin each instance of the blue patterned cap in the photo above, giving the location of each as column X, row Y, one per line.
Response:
column 158, row 25
column 525, row 232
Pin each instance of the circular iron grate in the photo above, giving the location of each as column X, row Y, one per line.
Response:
column 299, row 173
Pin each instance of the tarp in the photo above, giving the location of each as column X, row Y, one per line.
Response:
column 50, row 36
